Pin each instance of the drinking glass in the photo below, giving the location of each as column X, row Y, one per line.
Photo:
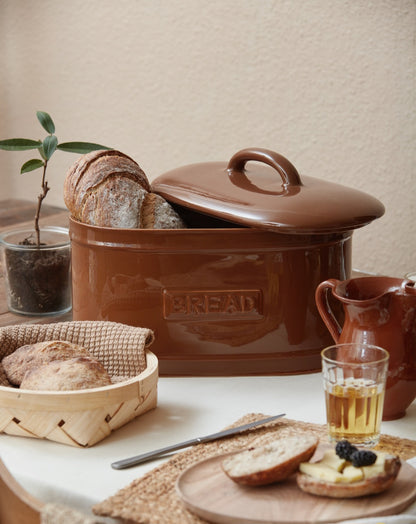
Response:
column 354, row 377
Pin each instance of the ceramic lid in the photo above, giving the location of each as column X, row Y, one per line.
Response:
column 260, row 188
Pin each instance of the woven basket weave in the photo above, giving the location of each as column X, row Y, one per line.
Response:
column 82, row 417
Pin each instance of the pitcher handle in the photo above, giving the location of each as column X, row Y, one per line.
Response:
column 322, row 303
column 409, row 286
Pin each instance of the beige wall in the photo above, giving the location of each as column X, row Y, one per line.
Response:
column 328, row 83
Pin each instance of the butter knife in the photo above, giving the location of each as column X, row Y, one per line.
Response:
column 144, row 457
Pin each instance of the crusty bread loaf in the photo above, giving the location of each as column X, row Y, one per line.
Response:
column 29, row 356
column 91, row 169
column 109, row 189
column 156, row 213
column 270, row 463
column 67, row 375
column 367, row 486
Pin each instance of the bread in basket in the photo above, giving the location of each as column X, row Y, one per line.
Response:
column 81, row 417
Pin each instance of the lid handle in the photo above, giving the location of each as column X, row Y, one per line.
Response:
column 286, row 169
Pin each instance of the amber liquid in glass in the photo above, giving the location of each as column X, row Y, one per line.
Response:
column 354, row 411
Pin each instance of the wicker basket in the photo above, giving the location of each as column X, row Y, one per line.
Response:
column 83, row 417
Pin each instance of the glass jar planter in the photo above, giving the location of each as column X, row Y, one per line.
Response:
column 38, row 278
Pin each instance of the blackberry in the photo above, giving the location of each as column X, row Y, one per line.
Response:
column 363, row 458
column 345, row 449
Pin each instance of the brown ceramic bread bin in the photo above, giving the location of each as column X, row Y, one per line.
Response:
column 233, row 294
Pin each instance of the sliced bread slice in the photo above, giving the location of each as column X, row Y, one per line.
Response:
column 270, row 463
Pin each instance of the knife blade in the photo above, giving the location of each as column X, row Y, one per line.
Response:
column 158, row 453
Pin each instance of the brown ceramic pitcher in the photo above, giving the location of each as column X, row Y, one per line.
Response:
column 379, row 311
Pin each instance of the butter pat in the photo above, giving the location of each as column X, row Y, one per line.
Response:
column 352, row 474
column 377, row 468
column 332, row 460
column 320, row 471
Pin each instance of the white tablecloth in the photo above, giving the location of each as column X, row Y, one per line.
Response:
column 187, row 407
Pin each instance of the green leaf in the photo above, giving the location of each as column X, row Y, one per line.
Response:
column 49, row 146
column 19, row 144
column 31, row 165
column 46, row 122
column 80, row 147
column 42, row 152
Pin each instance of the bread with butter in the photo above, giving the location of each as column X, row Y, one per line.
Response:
column 334, row 478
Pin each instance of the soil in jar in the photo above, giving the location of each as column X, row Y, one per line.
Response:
column 39, row 280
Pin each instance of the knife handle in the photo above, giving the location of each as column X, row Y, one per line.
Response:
column 144, row 457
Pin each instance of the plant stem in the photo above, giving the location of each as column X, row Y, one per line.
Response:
column 45, row 188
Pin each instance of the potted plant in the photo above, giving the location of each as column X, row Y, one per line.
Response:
column 37, row 261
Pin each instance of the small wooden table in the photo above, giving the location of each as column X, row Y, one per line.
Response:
column 187, row 407
column 16, row 213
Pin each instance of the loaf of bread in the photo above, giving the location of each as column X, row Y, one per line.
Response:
column 156, row 213
column 67, row 375
column 270, row 463
column 109, row 189
column 30, row 356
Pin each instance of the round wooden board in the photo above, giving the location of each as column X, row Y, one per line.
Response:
column 207, row 491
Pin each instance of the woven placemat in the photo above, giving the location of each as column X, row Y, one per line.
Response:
column 152, row 499
column 119, row 347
